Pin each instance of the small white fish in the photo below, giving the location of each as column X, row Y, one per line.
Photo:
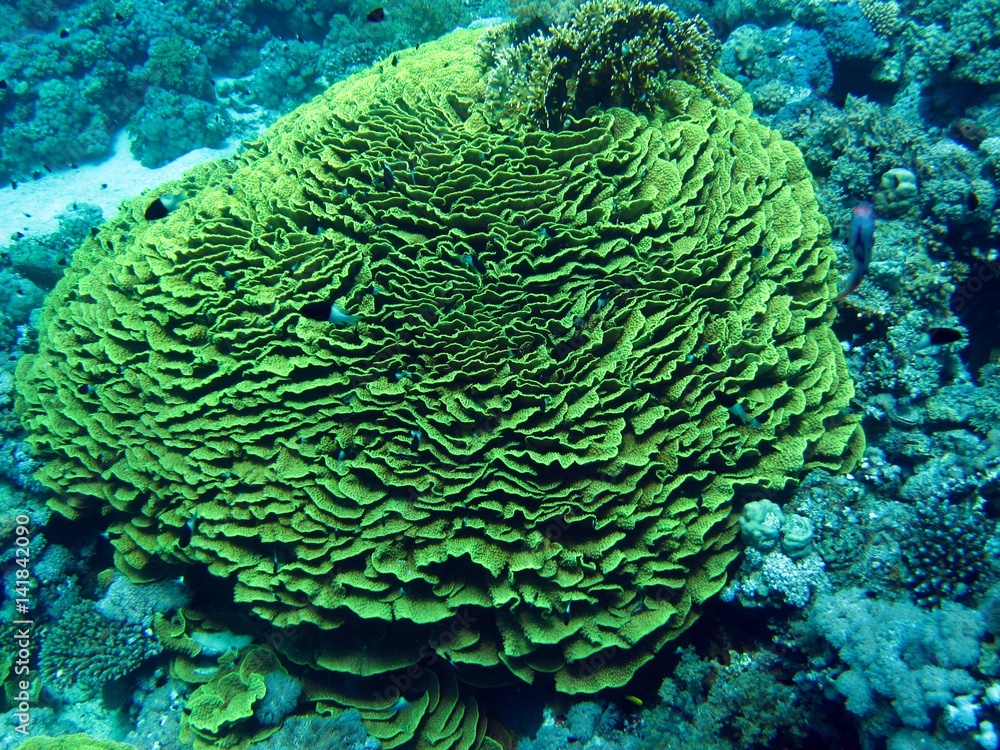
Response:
column 339, row 316
column 329, row 313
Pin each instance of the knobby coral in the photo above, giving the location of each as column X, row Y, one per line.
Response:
column 552, row 360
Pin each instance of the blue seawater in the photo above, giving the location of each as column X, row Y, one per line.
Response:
column 864, row 608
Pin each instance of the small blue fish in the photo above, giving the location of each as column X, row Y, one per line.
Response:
column 860, row 240
column 472, row 262
column 740, row 413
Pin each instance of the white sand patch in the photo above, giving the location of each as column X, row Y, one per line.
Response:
column 124, row 176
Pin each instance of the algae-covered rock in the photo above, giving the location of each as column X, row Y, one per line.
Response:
column 398, row 376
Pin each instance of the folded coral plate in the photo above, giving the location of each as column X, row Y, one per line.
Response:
column 553, row 364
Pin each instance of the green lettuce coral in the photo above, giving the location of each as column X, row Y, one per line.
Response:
column 220, row 713
column 552, row 362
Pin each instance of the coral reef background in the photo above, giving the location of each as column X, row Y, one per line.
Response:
column 864, row 608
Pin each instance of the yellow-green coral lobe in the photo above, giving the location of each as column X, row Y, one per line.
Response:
column 490, row 440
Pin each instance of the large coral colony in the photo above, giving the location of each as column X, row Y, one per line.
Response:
column 512, row 360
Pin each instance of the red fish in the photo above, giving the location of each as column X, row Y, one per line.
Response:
column 860, row 239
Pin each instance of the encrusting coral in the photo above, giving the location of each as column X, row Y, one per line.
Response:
column 547, row 364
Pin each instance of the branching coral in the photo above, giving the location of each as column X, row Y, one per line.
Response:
column 961, row 40
column 883, row 15
column 901, row 665
column 855, row 145
column 946, row 555
column 546, row 11
column 608, row 54
column 745, row 703
column 84, row 650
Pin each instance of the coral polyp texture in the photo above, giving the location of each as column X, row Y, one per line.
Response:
column 545, row 366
